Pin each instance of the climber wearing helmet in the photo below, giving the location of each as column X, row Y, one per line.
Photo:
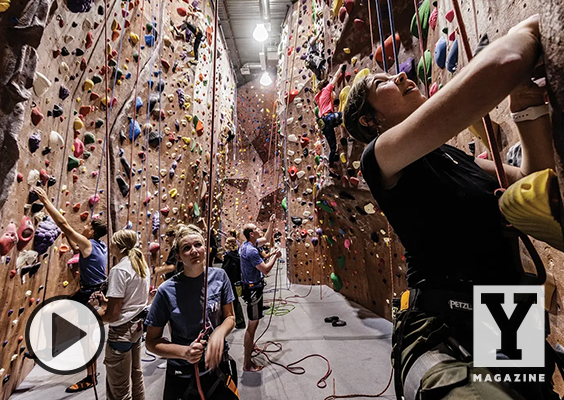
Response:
column 441, row 203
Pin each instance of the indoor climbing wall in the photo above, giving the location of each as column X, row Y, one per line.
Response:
column 346, row 222
column 151, row 102
column 253, row 185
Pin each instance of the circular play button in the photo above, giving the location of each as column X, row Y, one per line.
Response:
column 64, row 336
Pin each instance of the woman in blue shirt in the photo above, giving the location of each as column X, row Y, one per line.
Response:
column 179, row 302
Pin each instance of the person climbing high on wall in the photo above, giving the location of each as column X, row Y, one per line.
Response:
column 441, row 203
column 315, row 60
column 92, row 266
column 253, row 269
column 197, row 27
column 329, row 120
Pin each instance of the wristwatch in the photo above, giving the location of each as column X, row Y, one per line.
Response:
column 531, row 113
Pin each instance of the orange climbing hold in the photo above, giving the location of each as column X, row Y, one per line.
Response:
column 389, row 46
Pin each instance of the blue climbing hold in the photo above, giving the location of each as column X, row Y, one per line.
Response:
column 440, row 52
column 138, row 186
column 120, row 152
column 149, row 40
column 128, row 75
column 138, row 103
column 452, row 59
column 134, row 130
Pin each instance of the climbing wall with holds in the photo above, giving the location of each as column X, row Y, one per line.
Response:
column 332, row 218
column 71, row 88
column 253, row 187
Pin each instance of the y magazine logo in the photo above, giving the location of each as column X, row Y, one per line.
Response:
column 509, row 326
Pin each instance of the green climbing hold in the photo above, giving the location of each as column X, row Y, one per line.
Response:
column 331, row 222
column 330, row 241
column 317, row 160
column 284, row 204
column 316, row 112
column 99, row 123
column 96, row 79
column 89, row 138
column 112, row 63
column 420, row 70
column 195, row 120
column 424, row 14
column 445, row 30
column 72, row 163
column 337, row 282
column 324, row 206
column 136, row 56
column 341, row 262
column 193, row 146
column 86, row 155
column 196, row 210
column 200, row 150
column 149, row 27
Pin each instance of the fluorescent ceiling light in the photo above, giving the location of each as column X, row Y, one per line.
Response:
column 266, row 80
column 260, row 33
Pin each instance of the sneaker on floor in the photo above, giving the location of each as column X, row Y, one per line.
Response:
column 84, row 384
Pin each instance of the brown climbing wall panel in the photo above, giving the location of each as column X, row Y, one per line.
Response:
column 70, row 93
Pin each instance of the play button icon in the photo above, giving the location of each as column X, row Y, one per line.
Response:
column 69, row 335
column 64, row 336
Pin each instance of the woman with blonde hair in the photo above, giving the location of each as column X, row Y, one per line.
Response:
column 125, row 302
column 179, row 302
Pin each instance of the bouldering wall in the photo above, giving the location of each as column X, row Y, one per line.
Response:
column 333, row 221
column 150, row 102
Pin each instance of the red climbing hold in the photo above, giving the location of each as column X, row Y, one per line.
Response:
column 349, row 5
column 36, row 116
column 19, row 177
column 84, row 216
column 181, row 11
column 44, row 177
column 89, row 40
column 354, row 181
column 76, row 207
column 450, row 15
column 293, row 94
column 342, row 14
column 85, row 110
column 25, row 232
column 83, row 64
column 154, row 247
column 358, row 23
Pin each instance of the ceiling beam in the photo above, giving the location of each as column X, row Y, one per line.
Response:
column 231, row 34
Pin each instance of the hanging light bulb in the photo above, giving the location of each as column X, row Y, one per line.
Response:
column 265, row 80
column 260, row 33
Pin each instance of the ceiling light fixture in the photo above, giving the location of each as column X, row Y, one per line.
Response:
column 265, row 80
column 260, row 33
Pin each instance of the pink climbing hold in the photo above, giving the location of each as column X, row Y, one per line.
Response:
column 347, row 244
column 94, row 199
column 8, row 239
column 154, row 247
column 44, row 177
column 36, row 116
column 74, row 260
column 358, row 23
column 449, row 16
column 483, row 155
column 354, row 181
column 433, row 89
column 349, row 5
column 342, row 14
column 78, row 147
column 433, row 18
column 89, row 40
column 452, row 36
column 165, row 211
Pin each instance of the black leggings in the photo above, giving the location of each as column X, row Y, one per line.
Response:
column 198, row 36
column 176, row 387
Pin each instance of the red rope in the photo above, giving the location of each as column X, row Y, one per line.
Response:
column 500, row 172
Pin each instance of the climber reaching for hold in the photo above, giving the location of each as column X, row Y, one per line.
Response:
column 433, row 193
column 92, row 265
column 315, row 60
column 197, row 27
column 329, row 119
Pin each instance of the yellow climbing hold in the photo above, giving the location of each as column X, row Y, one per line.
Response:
column 361, row 75
column 347, row 50
column 4, row 5
column 173, row 192
column 343, row 96
column 343, row 158
column 354, row 60
column 133, row 37
column 78, row 124
column 88, row 85
column 65, row 283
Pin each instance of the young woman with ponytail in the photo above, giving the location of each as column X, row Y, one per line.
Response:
column 128, row 291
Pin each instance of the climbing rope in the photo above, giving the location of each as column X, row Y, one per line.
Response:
column 393, row 29
column 351, row 396
column 371, row 35
column 421, row 47
column 382, row 37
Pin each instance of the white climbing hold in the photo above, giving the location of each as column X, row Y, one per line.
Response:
column 41, row 84
column 291, row 153
column 297, row 160
column 356, row 164
column 292, row 138
column 56, row 140
column 300, row 174
column 32, row 177
column 64, row 68
column 369, row 208
column 307, row 213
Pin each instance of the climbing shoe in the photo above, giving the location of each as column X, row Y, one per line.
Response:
column 330, row 320
column 84, row 384
column 338, row 323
